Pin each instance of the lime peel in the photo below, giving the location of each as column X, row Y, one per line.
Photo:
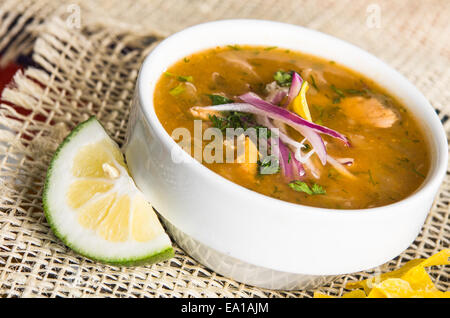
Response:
column 133, row 236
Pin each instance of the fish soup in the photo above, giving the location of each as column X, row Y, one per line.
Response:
column 342, row 141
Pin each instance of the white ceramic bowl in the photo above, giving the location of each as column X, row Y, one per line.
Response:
column 253, row 238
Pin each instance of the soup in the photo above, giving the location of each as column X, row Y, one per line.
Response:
column 334, row 138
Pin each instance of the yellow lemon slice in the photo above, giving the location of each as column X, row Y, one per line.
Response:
column 93, row 205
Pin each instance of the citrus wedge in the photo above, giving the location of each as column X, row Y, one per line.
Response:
column 93, row 205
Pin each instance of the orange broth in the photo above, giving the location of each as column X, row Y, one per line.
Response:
column 389, row 164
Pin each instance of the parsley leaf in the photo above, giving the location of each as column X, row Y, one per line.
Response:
column 219, row 100
column 338, row 91
column 283, row 78
column 234, row 47
column 180, row 78
column 231, row 120
column 313, row 82
column 318, row 189
column 301, row 186
column 266, row 167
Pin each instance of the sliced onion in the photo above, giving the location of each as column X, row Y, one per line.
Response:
column 286, row 168
column 345, row 161
column 300, row 170
column 289, row 117
column 296, row 84
column 340, row 168
column 276, row 97
column 313, row 137
column 309, row 164
column 294, row 145
column 264, row 121
column 276, row 93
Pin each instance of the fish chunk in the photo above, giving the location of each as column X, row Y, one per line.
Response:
column 368, row 111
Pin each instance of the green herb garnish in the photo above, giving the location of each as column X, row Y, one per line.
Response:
column 301, row 186
column 219, row 99
column 266, row 167
column 313, row 83
column 289, row 158
column 231, row 120
column 180, row 77
column 185, row 78
column 234, row 47
column 371, row 178
column 270, row 48
column 177, row 90
column 418, row 173
column 283, row 78
column 337, row 91
column 186, row 60
column 351, row 91
column 317, row 189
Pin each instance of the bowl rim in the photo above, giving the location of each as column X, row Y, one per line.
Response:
column 438, row 166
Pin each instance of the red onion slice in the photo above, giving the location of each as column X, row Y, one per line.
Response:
column 340, row 168
column 289, row 117
column 296, row 85
column 276, row 97
column 291, row 143
column 286, row 167
column 345, row 161
column 313, row 137
column 298, row 166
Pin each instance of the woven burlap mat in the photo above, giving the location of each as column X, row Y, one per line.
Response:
column 88, row 63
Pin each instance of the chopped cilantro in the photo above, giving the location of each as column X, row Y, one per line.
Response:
column 266, row 167
column 362, row 92
column 234, row 47
column 186, row 60
column 336, row 100
column 260, row 130
column 417, row 172
column 276, row 190
column 219, row 99
column 231, row 120
column 180, row 77
column 371, row 178
column 177, row 90
column 270, row 48
column 301, row 186
column 283, row 78
column 337, row 91
column 289, row 158
column 317, row 189
column 313, row 83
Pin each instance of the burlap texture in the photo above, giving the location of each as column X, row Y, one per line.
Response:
column 92, row 70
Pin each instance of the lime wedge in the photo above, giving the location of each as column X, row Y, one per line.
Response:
column 93, row 205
